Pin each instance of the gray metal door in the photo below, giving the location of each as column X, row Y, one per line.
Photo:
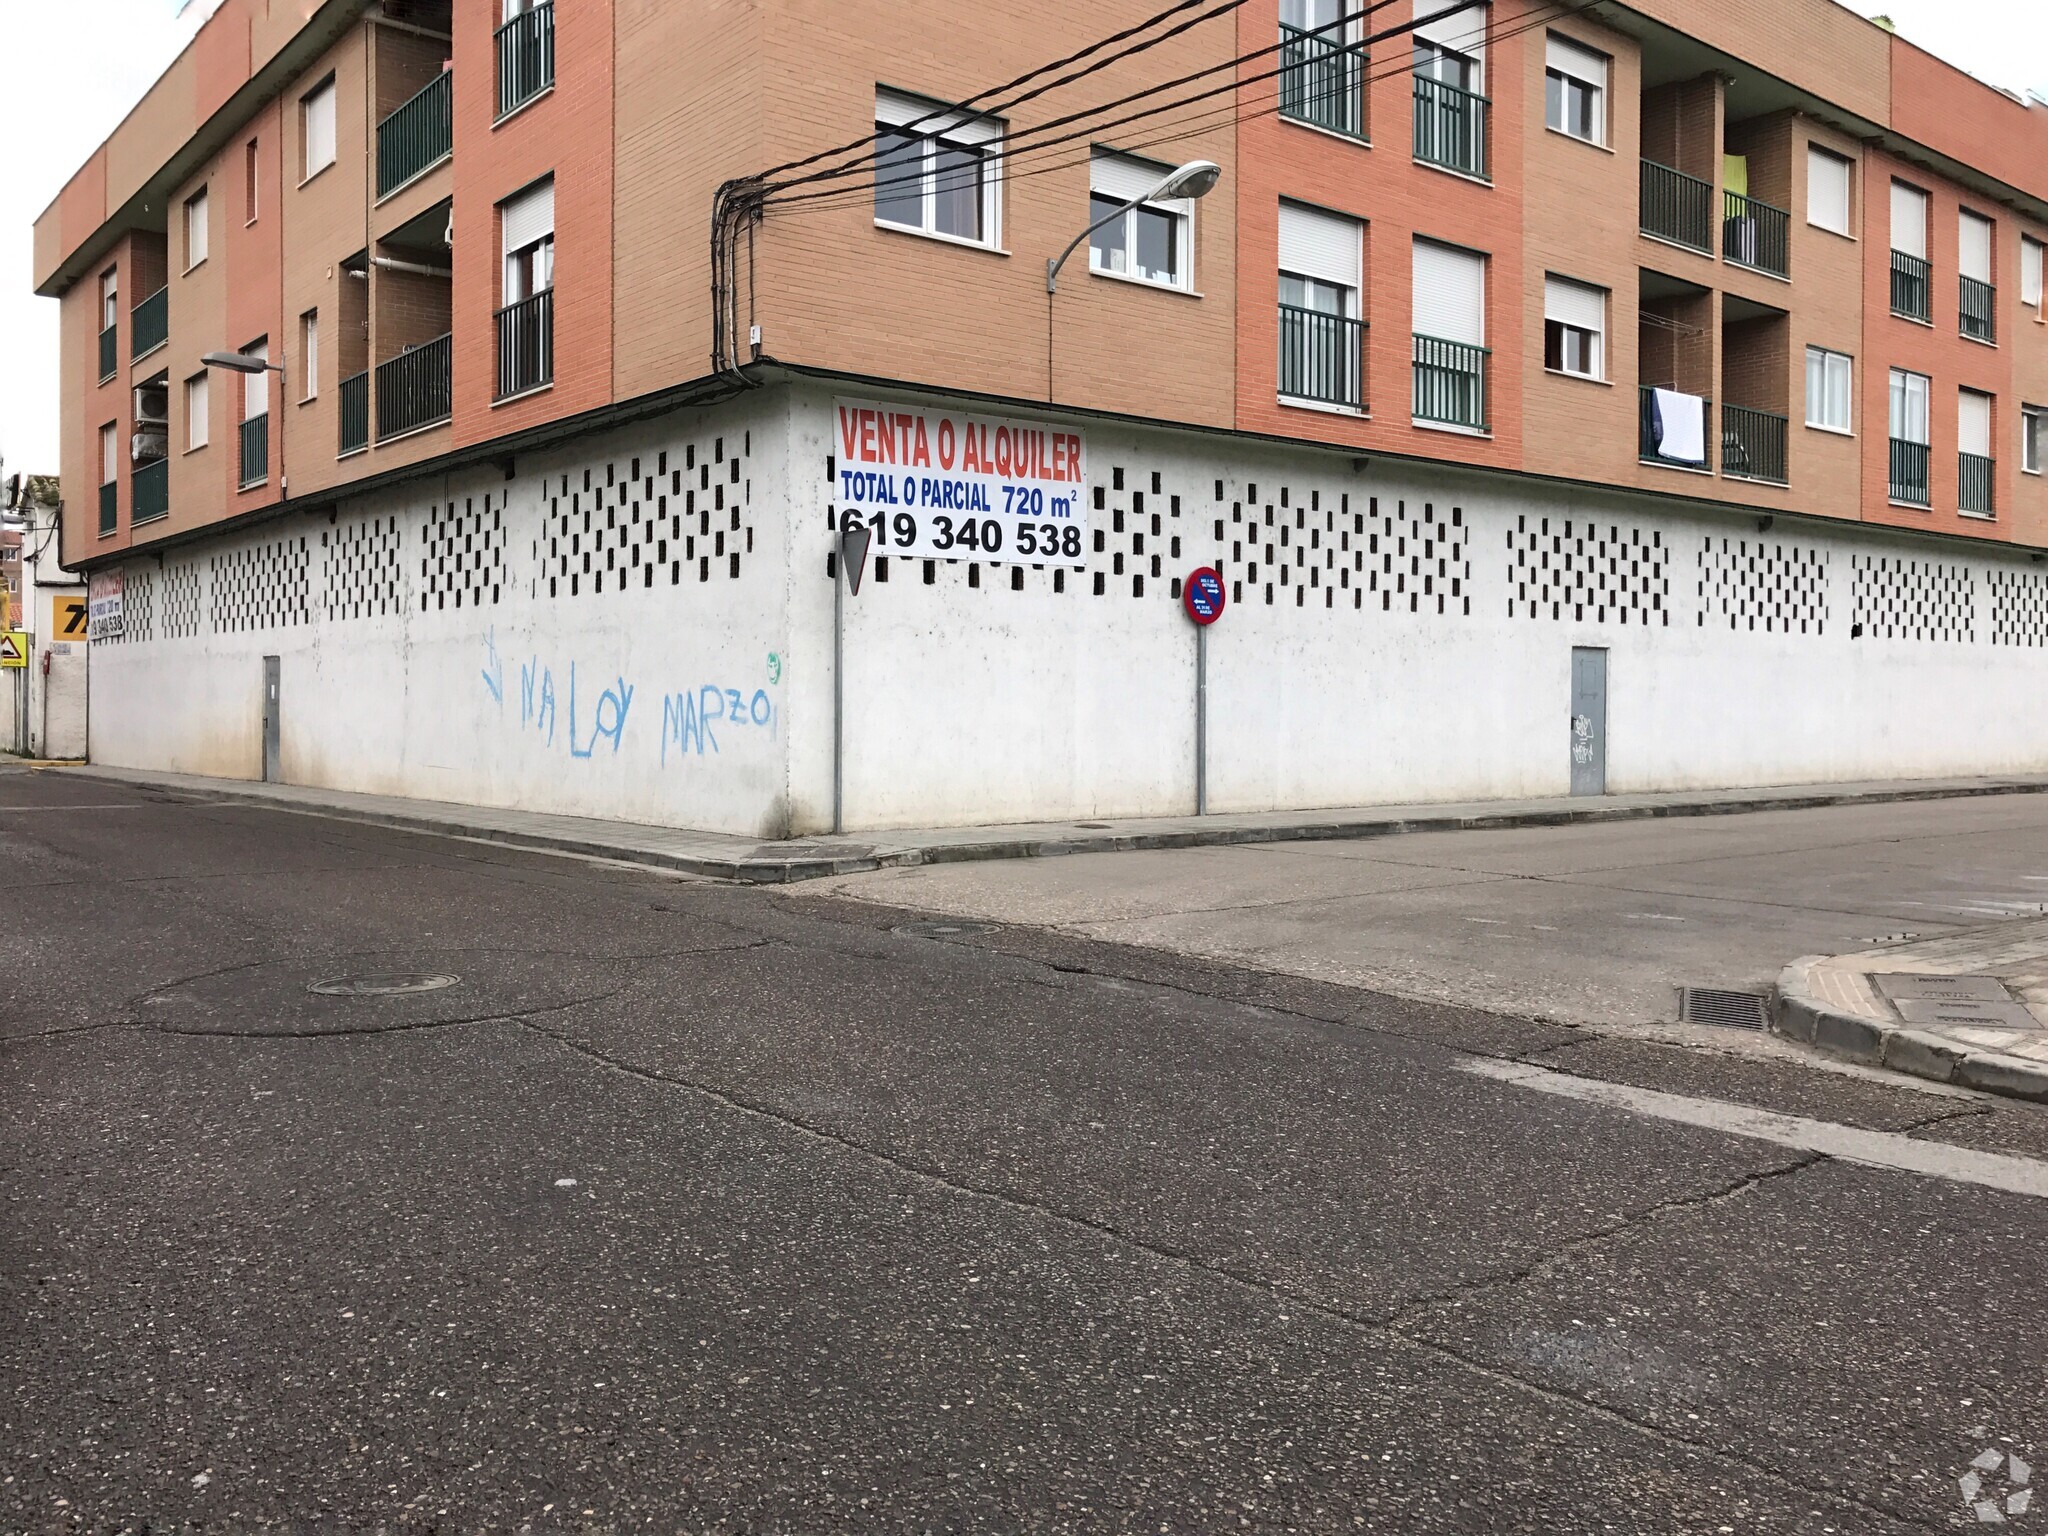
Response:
column 272, row 773
column 1589, row 721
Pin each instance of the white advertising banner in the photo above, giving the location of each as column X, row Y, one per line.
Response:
column 944, row 485
column 104, row 591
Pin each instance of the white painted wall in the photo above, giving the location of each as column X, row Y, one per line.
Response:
column 978, row 703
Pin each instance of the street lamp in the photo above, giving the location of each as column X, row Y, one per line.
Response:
column 1195, row 179
column 242, row 362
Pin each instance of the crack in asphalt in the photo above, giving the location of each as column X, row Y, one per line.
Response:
column 1388, row 1329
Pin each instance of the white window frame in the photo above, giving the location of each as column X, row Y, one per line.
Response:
column 2032, row 256
column 527, row 235
column 197, row 411
column 110, row 453
column 1907, row 196
column 195, row 220
column 1816, row 156
column 256, row 386
column 1902, row 390
column 316, row 130
column 1569, row 303
column 1120, row 178
column 935, row 126
column 1573, row 63
column 1971, row 228
column 1463, row 254
column 309, row 355
column 2033, row 432
column 1975, row 400
column 1825, row 360
column 110, row 298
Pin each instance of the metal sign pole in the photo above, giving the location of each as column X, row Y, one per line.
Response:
column 838, row 694
column 1201, row 720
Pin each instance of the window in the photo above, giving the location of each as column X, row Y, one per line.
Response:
column 1450, row 336
column 1574, row 328
column 1973, row 423
column 256, row 386
column 195, row 411
column 1829, row 376
column 110, row 298
column 195, row 229
column 1575, row 90
column 1909, row 221
column 1973, row 243
column 316, row 127
column 935, row 169
column 1149, row 242
column 249, row 181
column 2033, row 428
column 1451, row 50
column 1321, row 266
column 528, row 224
column 309, row 354
column 1827, row 190
column 2030, row 271
column 1909, row 407
column 110, row 454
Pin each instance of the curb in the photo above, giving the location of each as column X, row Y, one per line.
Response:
column 1797, row 1015
column 860, row 859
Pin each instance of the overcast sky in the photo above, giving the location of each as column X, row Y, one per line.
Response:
column 74, row 69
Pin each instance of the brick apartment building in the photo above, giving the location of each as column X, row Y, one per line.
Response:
column 1576, row 395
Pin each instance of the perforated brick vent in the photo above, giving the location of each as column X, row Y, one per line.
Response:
column 364, row 572
column 1757, row 585
column 1392, row 556
column 462, row 553
column 1901, row 598
column 262, row 586
column 659, row 520
column 138, row 608
column 1588, row 572
column 181, row 606
column 2019, row 607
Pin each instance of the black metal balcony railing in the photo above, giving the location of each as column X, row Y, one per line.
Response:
column 1753, row 444
column 1650, row 442
column 1322, row 82
column 1975, row 473
column 418, row 135
column 1450, row 127
column 1980, row 309
column 110, row 507
column 1755, row 234
column 1909, row 472
column 526, row 344
column 355, row 413
column 412, row 389
column 1450, row 382
column 526, row 57
column 110, row 355
column 1322, row 357
column 255, row 450
column 1677, row 207
column 150, row 326
column 149, row 491
column 1912, row 294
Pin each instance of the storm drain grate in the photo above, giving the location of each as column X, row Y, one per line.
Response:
column 943, row 930
column 381, row 984
column 1715, row 1005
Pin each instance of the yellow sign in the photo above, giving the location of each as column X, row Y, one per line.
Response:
column 67, row 618
column 13, row 648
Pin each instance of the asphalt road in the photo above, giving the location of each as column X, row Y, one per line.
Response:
column 695, row 1208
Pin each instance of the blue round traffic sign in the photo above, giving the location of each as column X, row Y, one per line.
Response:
column 1202, row 595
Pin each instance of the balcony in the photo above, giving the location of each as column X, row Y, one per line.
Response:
column 526, row 344
column 110, row 507
column 1755, row 234
column 1322, row 83
column 149, row 491
column 355, row 414
column 1909, row 472
column 1912, row 292
column 1322, row 357
column 1753, row 444
column 150, row 326
column 1973, row 485
column 418, row 136
column 1450, row 383
column 1677, row 207
column 110, row 354
column 1450, row 127
column 1653, row 445
column 1979, row 310
column 526, row 58
column 255, row 463
column 412, row 389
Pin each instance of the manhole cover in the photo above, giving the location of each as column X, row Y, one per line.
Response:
column 1093, row 826
column 381, row 984
column 1713, row 1005
column 943, row 930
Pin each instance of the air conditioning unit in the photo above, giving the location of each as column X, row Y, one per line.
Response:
column 152, row 404
column 148, row 444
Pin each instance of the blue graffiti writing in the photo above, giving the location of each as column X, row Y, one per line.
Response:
column 537, row 709
column 494, row 668
column 616, row 699
column 687, row 718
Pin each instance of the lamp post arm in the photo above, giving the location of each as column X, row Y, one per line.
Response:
column 1052, row 268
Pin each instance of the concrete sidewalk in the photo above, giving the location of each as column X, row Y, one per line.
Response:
column 1970, row 1008
column 725, row 857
